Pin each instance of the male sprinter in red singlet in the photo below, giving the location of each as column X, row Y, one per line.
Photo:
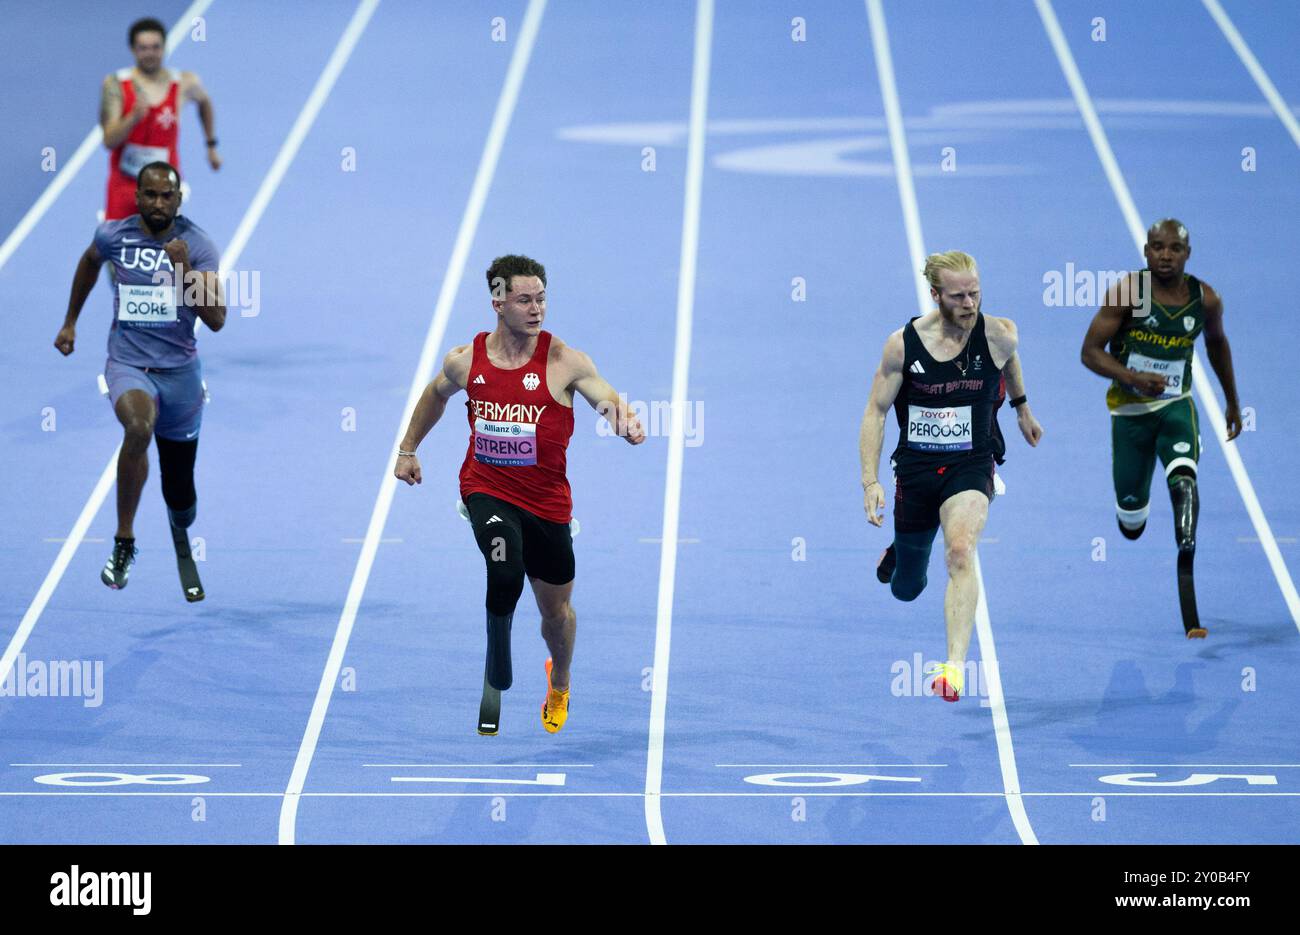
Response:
column 139, row 112
column 944, row 373
column 520, row 381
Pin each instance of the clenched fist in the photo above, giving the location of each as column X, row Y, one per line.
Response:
column 178, row 251
column 66, row 338
column 408, row 469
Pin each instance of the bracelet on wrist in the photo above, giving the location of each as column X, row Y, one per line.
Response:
column 1019, row 401
column 405, row 454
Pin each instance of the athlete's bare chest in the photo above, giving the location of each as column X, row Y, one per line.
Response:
column 942, row 348
column 153, row 91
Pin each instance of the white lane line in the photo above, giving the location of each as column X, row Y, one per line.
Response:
column 320, row 93
column 676, row 441
column 105, row 482
column 478, row 765
column 1266, row 86
column 916, row 249
column 127, row 764
column 1204, row 390
column 423, row 374
column 63, row 178
column 898, row 149
column 543, row 779
column 61, row 561
column 1108, row 793
column 1194, row 765
column 829, row 765
column 298, row 133
column 996, row 702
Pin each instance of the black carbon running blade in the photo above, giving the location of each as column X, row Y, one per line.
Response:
column 189, row 572
column 489, row 710
column 1187, row 597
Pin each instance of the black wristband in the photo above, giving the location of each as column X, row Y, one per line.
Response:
column 1019, row 401
column 212, row 142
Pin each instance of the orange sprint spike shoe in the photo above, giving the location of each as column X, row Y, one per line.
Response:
column 555, row 709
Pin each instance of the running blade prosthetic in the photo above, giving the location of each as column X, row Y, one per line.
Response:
column 189, row 572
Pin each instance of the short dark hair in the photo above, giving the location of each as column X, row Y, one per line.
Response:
column 165, row 166
column 1179, row 228
column 505, row 268
column 148, row 24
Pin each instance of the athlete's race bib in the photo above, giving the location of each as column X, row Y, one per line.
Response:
column 1171, row 370
column 146, row 304
column 505, row 444
column 135, row 157
column 939, row 428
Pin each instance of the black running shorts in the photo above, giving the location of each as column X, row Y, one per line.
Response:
column 547, row 547
column 920, row 489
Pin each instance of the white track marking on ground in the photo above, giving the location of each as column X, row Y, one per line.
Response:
column 298, row 133
column 898, row 148
column 478, row 765
column 61, row 561
column 654, row 772
column 1192, row 765
column 543, row 779
column 94, row 138
column 1108, row 792
column 106, row 479
column 828, row 765
column 1266, row 86
column 1204, row 390
column 424, row 371
column 916, row 249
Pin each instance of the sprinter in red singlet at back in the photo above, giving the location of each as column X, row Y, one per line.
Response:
column 139, row 112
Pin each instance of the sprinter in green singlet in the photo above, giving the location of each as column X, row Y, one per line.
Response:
column 1143, row 339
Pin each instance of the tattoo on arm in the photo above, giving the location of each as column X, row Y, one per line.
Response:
column 110, row 102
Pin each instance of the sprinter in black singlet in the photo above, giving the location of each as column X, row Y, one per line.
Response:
column 945, row 373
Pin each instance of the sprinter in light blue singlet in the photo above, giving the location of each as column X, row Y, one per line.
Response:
column 155, row 382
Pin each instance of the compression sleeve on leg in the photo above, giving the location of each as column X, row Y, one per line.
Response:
column 176, row 470
column 913, row 550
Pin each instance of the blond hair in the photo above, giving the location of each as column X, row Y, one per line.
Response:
column 953, row 260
